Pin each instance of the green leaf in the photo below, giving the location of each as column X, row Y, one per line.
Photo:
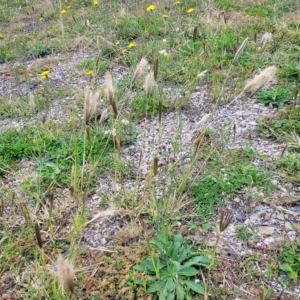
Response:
column 180, row 292
column 153, row 287
column 183, row 255
column 171, row 296
column 198, row 261
column 171, row 285
column 140, row 268
column 196, row 287
column 188, row 271
column 138, row 281
column 286, row 268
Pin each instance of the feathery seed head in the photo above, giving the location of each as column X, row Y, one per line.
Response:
column 90, row 104
column 149, row 83
column 109, row 88
column 260, row 80
column 65, row 273
column 265, row 39
column 139, row 69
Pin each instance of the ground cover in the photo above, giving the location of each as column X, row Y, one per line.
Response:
column 149, row 150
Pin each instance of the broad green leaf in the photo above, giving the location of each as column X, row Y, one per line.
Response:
column 140, row 268
column 183, row 255
column 170, row 285
column 153, row 287
column 198, row 261
column 188, row 271
column 196, row 287
column 138, row 281
column 175, row 266
column 149, row 265
column 285, row 267
column 180, row 292
column 171, row 296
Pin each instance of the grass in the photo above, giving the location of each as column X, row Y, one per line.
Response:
column 54, row 168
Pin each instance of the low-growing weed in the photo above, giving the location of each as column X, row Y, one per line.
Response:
column 275, row 97
column 173, row 269
column 290, row 260
column 284, row 122
column 239, row 173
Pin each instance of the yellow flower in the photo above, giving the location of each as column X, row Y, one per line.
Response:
column 45, row 74
column 247, row 16
column 190, row 10
column 150, row 8
column 90, row 72
column 1, row 36
column 41, row 18
column 117, row 43
column 63, row 11
column 177, row 2
column 131, row 45
column 165, row 16
column 69, row 6
column 95, row 2
column 124, row 51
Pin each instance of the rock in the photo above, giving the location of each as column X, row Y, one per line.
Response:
column 267, row 217
column 266, row 230
column 237, row 200
column 239, row 218
column 296, row 208
column 280, row 217
column 292, row 235
column 288, row 226
column 269, row 240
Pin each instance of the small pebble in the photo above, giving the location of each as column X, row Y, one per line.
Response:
column 295, row 208
column 239, row 218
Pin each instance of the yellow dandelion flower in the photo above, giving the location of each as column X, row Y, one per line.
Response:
column 177, row 2
column 117, row 43
column 190, row 10
column 150, row 7
column 41, row 19
column 69, row 6
column 89, row 73
column 45, row 74
column 1, row 36
column 95, row 2
column 165, row 16
column 131, row 45
column 247, row 16
column 63, row 11
column 124, row 51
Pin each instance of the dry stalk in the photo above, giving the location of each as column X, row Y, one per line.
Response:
column 155, row 68
column 159, row 110
column 31, row 103
column 173, row 103
column 240, row 51
column 1, row 207
column 38, row 235
column 195, row 33
column 25, row 213
column 155, row 165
